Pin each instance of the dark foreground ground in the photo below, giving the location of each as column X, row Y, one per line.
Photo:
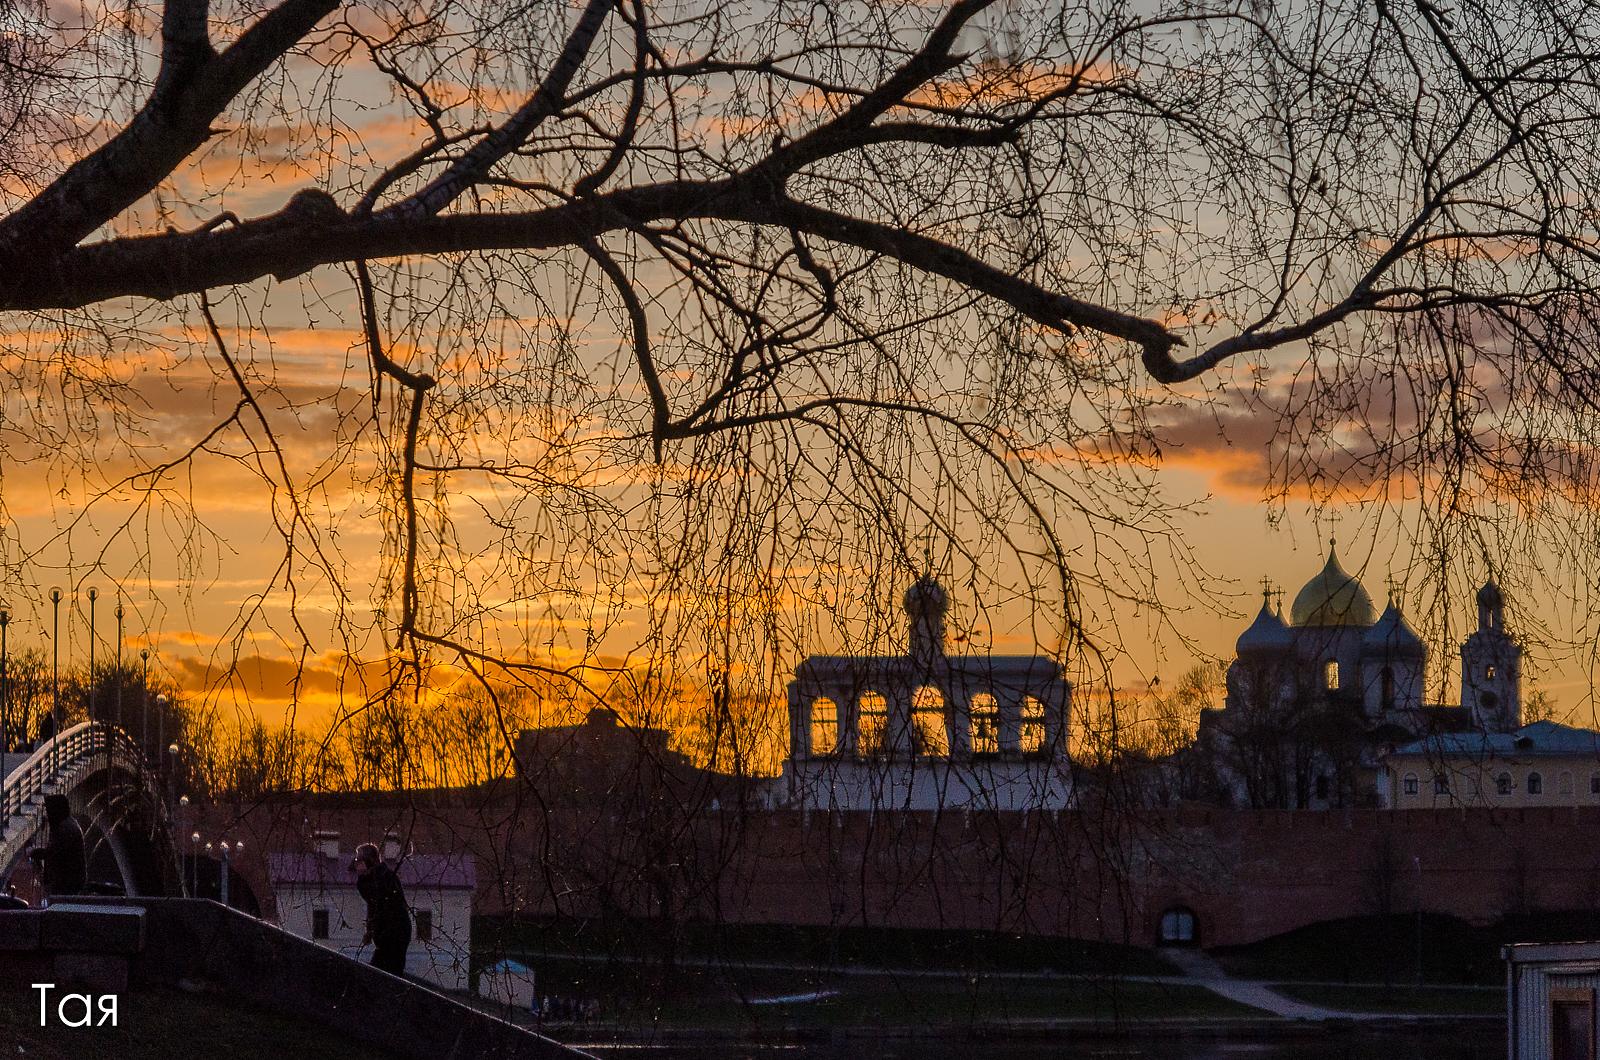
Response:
column 166, row 1025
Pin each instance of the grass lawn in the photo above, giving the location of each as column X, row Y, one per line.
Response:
column 166, row 1025
column 1409, row 1000
column 728, row 998
column 977, row 951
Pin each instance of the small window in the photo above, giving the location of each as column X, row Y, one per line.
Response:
column 1178, row 927
column 319, row 923
column 1502, row 784
column 1387, row 694
column 1566, row 783
column 1441, row 784
column 1488, row 672
column 928, row 726
column 1330, row 675
column 424, row 918
column 1411, row 784
column 824, row 726
column 1594, row 783
column 872, row 724
column 1031, row 739
column 1535, row 784
column 985, row 724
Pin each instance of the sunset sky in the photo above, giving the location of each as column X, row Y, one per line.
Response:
column 202, row 564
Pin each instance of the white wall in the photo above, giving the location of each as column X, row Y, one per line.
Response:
column 441, row 961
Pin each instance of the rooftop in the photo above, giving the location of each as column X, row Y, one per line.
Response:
column 432, row 871
column 1538, row 738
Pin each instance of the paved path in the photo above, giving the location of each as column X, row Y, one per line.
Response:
column 1203, row 971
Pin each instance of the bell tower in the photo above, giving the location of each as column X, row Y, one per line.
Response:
column 1491, row 667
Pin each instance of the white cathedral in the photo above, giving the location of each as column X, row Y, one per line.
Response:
column 1313, row 704
column 927, row 730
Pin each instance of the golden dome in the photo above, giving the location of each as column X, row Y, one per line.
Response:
column 1333, row 598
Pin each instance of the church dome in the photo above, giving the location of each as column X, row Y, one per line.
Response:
column 1489, row 596
column 1391, row 636
column 926, row 597
column 1333, row 598
column 1266, row 633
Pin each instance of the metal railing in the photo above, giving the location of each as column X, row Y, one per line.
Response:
column 58, row 765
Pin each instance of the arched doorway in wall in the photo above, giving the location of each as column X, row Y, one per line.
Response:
column 1178, row 927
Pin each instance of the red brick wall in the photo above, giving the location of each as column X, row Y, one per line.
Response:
column 1247, row 875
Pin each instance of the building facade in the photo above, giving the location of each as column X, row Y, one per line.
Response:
column 1313, row 704
column 317, row 900
column 927, row 730
column 1542, row 764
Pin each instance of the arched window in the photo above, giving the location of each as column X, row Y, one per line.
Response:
column 1535, row 784
column 1566, row 783
column 985, row 724
column 1031, row 740
column 1488, row 672
column 929, row 733
column 824, row 726
column 1387, row 694
column 1441, row 784
column 1179, row 927
column 872, row 724
column 1502, row 784
column 1594, row 783
column 1330, row 675
column 1410, row 783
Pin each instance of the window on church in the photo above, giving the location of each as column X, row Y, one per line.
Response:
column 872, row 724
column 1388, row 688
column 1411, row 784
column 1032, row 737
column 1488, row 672
column 1502, row 784
column 1535, row 784
column 824, row 726
column 1594, row 783
column 1441, row 784
column 985, row 724
column 1566, row 783
column 928, row 729
column 1330, row 676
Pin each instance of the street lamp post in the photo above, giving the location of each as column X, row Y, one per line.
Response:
column 144, row 696
column 225, row 852
column 183, row 877
column 119, row 662
column 194, row 865
column 5, row 692
column 94, row 594
column 55, row 677
column 161, row 719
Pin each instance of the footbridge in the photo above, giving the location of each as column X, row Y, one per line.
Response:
column 114, row 797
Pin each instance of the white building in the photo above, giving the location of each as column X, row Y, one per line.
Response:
column 317, row 899
column 926, row 730
column 1552, row 992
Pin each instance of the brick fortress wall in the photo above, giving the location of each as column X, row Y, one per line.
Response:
column 1247, row 875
